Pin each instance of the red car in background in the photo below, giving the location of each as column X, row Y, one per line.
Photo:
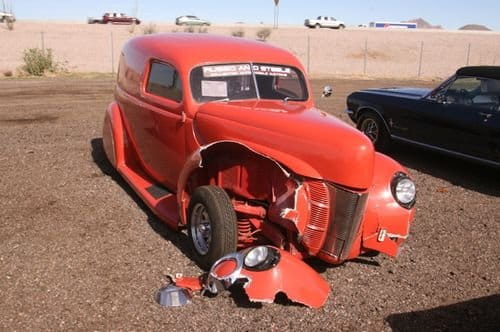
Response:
column 114, row 18
column 220, row 135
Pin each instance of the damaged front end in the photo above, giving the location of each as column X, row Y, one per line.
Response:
column 264, row 272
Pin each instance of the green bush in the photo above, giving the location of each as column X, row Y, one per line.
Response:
column 37, row 61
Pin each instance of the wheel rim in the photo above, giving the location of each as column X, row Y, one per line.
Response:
column 370, row 128
column 201, row 229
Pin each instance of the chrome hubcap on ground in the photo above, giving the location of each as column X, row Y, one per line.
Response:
column 201, row 229
column 369, row 128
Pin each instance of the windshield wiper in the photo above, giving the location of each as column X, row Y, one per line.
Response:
column 220, row 100
column 291, row 98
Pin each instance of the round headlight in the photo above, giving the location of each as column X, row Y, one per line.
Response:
column 404, row 191
column 256, row 256
column 261, row 258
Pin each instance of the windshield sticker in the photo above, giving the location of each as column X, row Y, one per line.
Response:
column 227, row 70
column 214, row 88
column 271, row 70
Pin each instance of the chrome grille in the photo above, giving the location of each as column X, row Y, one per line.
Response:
column 315, row 232
column 346, row 211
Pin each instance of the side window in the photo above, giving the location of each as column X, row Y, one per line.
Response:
column 463, row 90
column 489, row 94
column 164, row 81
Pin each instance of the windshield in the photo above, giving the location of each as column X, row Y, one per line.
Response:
column 247, row 81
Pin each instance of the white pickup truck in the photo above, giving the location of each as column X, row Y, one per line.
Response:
column 8, row 17
column 324, row 22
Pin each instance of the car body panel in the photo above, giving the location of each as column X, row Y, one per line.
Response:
column 290, row 276
column 306, row 134
column 297, row 177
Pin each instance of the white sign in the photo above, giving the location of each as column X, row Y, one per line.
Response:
column 271, row 70
column 226, row 70
column 214, row 88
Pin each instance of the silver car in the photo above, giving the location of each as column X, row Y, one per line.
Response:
column 190, row 20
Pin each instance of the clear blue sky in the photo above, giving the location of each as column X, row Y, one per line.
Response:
column 451, row 14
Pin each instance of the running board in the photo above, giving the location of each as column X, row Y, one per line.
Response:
column 160, row 200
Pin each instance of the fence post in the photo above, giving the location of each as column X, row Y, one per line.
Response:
column 112, row 55
column 308, row 54
column 468, row 54
column 366, row 55
column 420, row 60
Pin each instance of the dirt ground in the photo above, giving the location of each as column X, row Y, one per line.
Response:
column 79, row 251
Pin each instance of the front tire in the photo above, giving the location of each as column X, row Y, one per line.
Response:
column 373, row 127
column 212, row 225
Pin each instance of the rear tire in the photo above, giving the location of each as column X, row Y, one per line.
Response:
column 317, row 26
column 373, row 127
column 212, row 225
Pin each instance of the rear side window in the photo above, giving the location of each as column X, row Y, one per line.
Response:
column 164, row 81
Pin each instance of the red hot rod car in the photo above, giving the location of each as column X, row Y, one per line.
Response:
column 220, row 135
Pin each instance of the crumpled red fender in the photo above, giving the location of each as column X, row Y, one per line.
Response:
column 289, row 275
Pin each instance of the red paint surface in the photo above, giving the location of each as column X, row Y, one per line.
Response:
column 260, row 151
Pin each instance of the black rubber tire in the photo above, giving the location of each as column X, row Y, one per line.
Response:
column 317, row 26
column 223, row 224
column 381, row 140
column 341, row 27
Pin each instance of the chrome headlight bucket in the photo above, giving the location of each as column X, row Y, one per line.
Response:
column 261, row 258
column 227, row 270
column 404, row 191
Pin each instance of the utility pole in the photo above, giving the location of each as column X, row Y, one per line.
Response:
column 276, row 13
column 135, row 11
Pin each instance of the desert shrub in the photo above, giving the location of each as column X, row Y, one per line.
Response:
column 202, row 30
column 8, row 73
column 131, row 28
column 10, row 24
column 238, row 33
column 149, row 29
column 37, row 61
column 263, row 34
column 189, row 29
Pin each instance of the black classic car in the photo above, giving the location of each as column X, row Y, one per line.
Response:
column 460, row 117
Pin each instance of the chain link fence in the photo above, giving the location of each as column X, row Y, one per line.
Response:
column 371, row 53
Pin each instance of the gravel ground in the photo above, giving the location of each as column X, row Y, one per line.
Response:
column 79, row 251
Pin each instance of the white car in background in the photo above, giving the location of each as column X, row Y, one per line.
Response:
column 190, row 20
column 324, row 22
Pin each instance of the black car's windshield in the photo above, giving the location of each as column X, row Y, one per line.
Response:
column 247, row 81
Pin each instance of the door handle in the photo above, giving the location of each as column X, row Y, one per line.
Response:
column 486, row 116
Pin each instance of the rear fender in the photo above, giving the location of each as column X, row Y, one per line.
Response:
column 112, row 136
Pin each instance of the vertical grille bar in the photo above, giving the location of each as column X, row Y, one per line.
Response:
column 346, row 212
column 315, row 231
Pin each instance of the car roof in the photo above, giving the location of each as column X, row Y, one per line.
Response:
column 187, row 50
column 480, row 71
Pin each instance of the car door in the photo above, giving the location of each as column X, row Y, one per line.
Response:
column 454, row 118
column 157, row 124
column 491, row 127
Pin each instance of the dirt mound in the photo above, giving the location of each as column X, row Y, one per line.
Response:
column 423, row 24
column 475, row 27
